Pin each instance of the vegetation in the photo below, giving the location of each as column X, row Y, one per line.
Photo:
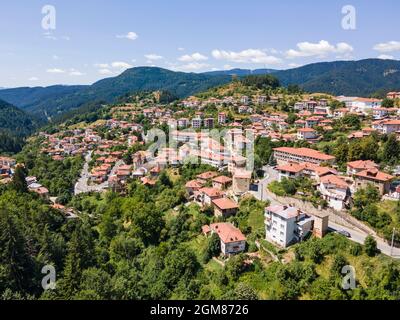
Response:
column 15, row 126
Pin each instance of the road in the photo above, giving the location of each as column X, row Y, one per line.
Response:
column 357, row 235
column 82, row 185
column 270, row 176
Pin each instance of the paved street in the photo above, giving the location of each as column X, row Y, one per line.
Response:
column 356, row 234
column 270, row 175
column 359, row 237
column 82, row 185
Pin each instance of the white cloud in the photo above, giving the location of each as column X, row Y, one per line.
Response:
column 193, row 57
column 386, row 57
column 102, row 65
column 121, row 65
column 246, row 56
column 105, row 71
column 153, row 57
column 181, row 49
column 320, row 49
column 190, row 67
column 55, row 57
column 130, row 36
column 75, row 73
column 55, row 70
column 294, row 65
column 390, row 46
column 33, row 79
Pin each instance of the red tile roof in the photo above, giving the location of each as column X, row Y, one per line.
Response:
column 227, row 232
column 375, row 174
column 225, row 204
column 305, row 152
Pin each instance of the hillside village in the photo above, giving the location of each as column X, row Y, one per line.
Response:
column 254, row 171
column 115, row 152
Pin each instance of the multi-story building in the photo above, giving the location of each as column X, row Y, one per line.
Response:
column 209, row 123
column 286, row 225
column 307, row 134
column 197, row 123
column 286, row 155
column 380, row 180
column 221, row 118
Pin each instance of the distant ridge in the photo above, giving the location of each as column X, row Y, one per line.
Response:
column 353, row 78
column 51, row 101
column 241, row 72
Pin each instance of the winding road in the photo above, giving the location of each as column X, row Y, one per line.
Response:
column 357, row 235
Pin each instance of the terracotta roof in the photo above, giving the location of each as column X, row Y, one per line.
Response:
column 227, row 232
column 334, row 180
column 222, row 179
column 225, row 204
column 375, row 174
column 212, row 192
column 207, row 175
column 306, row 130
column 194, row 184
column 305, row 152
column 362, row 165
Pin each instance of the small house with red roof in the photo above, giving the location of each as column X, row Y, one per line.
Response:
column 232, row 239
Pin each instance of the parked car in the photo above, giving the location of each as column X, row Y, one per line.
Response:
column 344, row 233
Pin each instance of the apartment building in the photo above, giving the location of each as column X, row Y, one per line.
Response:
column 286, row 225
column 286, row 155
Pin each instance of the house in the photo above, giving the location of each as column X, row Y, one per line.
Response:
column 194, row 186
column 245, row 100
column 207, row 195
column 355, row 167
column 232, row 239
column 241, row 182
column 207, row 176
column 224, row 207
column 307, row 134
column 388, row 126
column 296, row 170
column 380, row 113
column 221, row 118
column 393, row 95
column 222, row 182
column 286, row 155
column 209, row 123
column 340, row 113
column 286, row 225
column 364, row 105
column 379, row 179
column 335, row 191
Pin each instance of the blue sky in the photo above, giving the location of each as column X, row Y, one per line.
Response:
column 95, row 39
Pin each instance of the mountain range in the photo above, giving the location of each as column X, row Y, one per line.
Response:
column 15, row 121
column 51, row 101
column 353, row 78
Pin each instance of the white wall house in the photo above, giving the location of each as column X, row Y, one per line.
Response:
column 286, row 225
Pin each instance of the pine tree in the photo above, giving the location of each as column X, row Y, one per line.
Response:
column 19, row 180
column 16, row 266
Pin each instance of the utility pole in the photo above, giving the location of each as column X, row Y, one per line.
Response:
column 391, row 249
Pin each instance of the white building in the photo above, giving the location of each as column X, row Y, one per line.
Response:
column 286, row 225
column 335, row 191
